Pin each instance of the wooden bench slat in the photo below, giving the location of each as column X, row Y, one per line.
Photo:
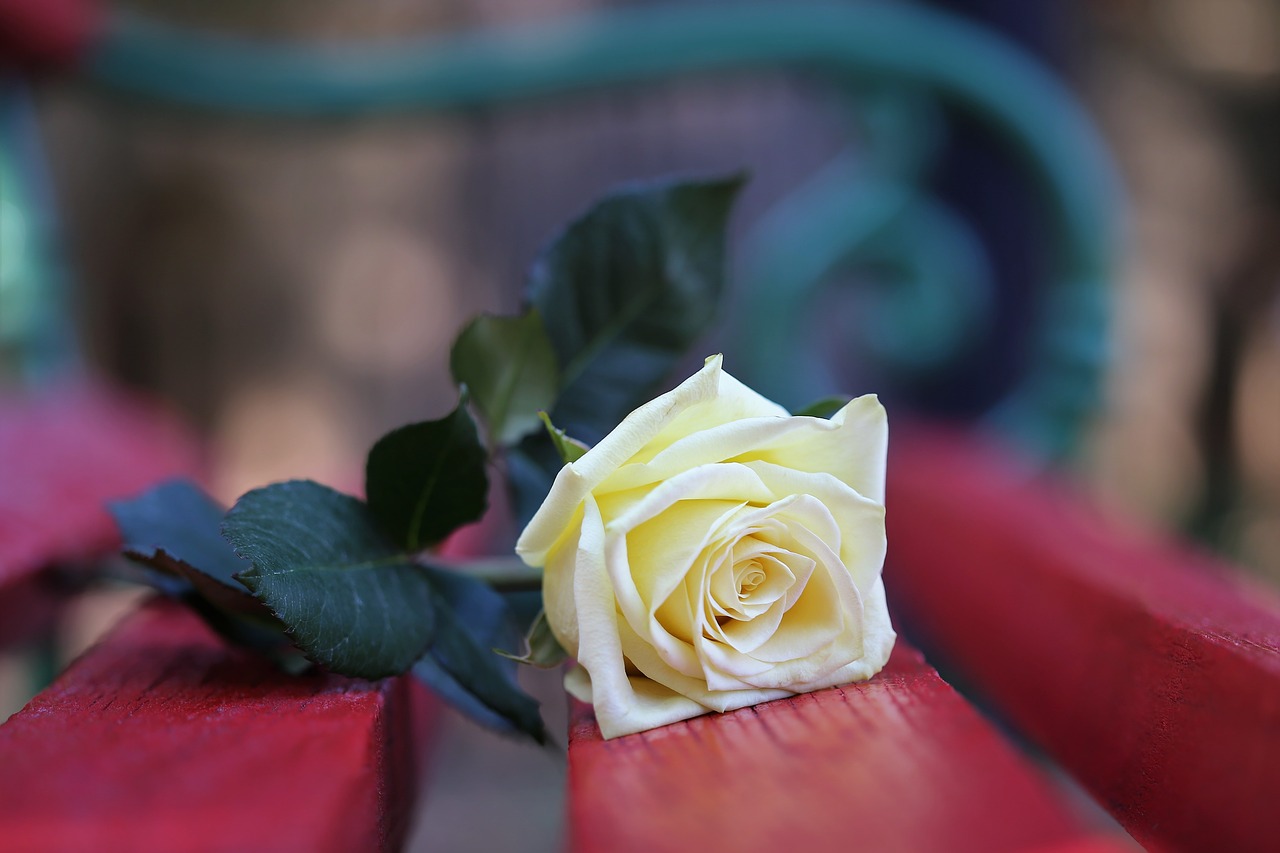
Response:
column 62, row 455
column 901, row 762
column 161, row 738
column 1149, row 671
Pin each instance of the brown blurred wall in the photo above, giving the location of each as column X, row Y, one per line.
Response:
column 294, row 286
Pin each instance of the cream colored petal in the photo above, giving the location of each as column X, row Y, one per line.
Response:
column 577, row 683
column 663, row 548
column 721, row 591
column 655, row 703
column 691, row 599
column 718, row 443
column 647, row 661
column 852, row 446
column 860, row 520
column 746, row 637
column 778, row 577
column 657, row 560
column 829, row 564
column 558, row 587
column 705, row 482
column 878, row 638
column 726, row 670
column 732, row 402
column 553, row 517
column 616, row 566
column 576, row 481
column 843, row 646
column 844, row 649
column 599, row 646
column 639, row 615
column 654, row 706
column 820, row 613
column 801, row 511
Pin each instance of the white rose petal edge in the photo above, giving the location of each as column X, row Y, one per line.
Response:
column 714, row 552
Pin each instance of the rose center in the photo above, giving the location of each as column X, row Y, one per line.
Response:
column 752, row 576
column 749, row 578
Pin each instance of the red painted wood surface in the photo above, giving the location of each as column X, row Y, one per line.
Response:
column 1149, row 671
column 62, row 455
column 899, row 763
column 161, row 738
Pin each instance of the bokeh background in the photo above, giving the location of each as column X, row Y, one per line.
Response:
column 291, row 287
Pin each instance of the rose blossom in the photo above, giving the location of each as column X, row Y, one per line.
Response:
column 713, row 552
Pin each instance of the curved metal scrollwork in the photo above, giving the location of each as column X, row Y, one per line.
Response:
column 843, row 214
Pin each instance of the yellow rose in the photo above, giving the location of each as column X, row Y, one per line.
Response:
column 714, row 552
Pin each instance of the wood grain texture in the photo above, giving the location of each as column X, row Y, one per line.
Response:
column 899, row 763
column 163, row 739
column 1149, row 671
column 62, row 455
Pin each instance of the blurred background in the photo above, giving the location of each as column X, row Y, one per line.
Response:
column 291, row 285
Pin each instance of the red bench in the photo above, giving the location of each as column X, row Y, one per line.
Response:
column 1148, row 672
column 63, row 454
column 162, row 737
column 901, row 762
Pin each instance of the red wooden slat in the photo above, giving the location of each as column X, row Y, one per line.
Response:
column 161, row 738
column 1149, row 671
column 62, row 456
column 900, row 763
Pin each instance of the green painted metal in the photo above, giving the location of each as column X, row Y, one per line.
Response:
column 872, row 45
column 36, row 335
column 848, row 214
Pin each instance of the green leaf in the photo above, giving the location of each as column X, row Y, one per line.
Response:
column 460, row 665
column 173, row 529
column 570, row 449
column 268, row 637
column 177, row 517
column 425, row 480
column 542, row 649
column 824, row 408
column 626, row 290
column 510, row 369
column 351, row 600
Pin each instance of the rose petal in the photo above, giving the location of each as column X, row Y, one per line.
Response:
column 851, row 446
column 576, row 481
column 558, row 596
column 860, row 520
column 599, row 643
column 713, row 552
column 705, row 482
column 819, row 614
column 877, row 643
column 654, row 705
column 747, row 636
column 647, row 661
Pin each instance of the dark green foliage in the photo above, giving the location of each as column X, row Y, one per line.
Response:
column 173, row 530
column 461, row 665
column 509, row 367
column 824, row 408
column 425, row 480
column 625, row 290
column 352, row 601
